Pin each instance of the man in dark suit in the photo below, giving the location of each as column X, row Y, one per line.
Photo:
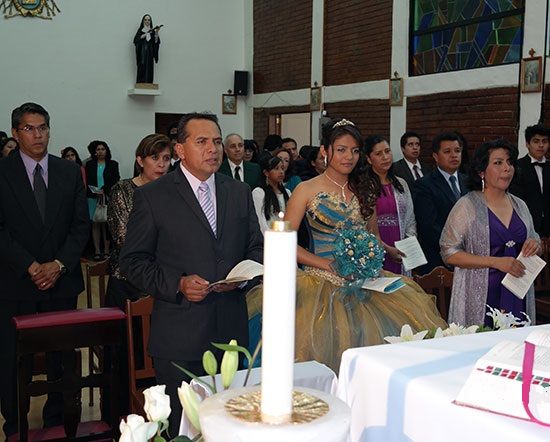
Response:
column 532, row 180
column 235, row 166
column 409, row 167
column 44, row 227
column 187, row 230
column 435, row 194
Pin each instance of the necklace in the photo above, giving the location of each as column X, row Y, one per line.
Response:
column 341, row 187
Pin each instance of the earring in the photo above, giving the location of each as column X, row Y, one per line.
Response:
column 326, row 161
column 482, row 184
column 266, row 181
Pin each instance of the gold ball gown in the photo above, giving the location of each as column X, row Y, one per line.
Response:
column 330, row 318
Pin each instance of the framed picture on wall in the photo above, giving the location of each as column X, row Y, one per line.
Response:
column 315, row 99
column 396, row 91
column 531, row 74
column 229, row 104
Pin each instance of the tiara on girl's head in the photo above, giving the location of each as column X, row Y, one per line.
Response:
column 343, row 122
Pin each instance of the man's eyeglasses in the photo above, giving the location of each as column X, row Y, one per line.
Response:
column 30, row 129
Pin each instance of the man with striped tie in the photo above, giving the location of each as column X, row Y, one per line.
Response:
column 186, row 230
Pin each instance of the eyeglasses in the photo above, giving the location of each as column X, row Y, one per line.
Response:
column 30, row 129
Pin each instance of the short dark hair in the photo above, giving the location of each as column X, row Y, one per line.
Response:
column 370, row 142
column 272, row 142
column 480, row 160
column 28, row 108
column 182, row 125
column 406, row 136
column 444, row 136
column 537, row 129
column 93, row 146
column 288, row 140
column 152, row 144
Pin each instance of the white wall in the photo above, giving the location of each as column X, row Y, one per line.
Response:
column 80, row 65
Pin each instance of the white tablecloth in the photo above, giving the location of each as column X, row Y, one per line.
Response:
column 404, row 392
column 306, row 374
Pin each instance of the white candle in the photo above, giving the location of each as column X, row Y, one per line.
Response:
column 279, row 306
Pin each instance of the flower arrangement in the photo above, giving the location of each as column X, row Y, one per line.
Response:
column 501, row 321
column 157, row 402
column 357, row 254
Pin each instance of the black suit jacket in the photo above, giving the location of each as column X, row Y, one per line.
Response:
column 111, row 176
column 433, row 200
column 252, row 172
column 24, row 238
column 169, row 236
column 526, row 186
column 402, row 169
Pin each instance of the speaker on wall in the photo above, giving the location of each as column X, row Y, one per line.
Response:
column 241, row 83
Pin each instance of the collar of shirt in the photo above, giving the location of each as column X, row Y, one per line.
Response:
column 194, row 182
column 232, row 166
column 411, row 165
column 534, row 160
column 30, row 165
column 447, row 176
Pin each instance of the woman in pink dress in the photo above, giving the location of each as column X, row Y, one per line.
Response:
column 394, row 206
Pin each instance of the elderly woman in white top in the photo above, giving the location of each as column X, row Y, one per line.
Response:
column 484, row 234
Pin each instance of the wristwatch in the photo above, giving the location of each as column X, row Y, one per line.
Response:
column 62, row 268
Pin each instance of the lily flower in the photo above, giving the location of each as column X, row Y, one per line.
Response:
column 406, row 335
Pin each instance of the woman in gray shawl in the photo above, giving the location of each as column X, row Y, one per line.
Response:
column 483, row 235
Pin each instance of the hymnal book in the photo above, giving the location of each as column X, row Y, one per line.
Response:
column 414, row 255
column 383, row 284
column 519, row 286
column 243, row 271
column 495, row 384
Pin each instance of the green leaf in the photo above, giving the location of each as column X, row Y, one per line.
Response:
column 181, row 439
column 159, row 439
column 228, row 347
column 193, row 376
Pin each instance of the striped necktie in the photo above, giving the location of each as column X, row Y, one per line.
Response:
column 207, row 206
column 454, row 187
column 40, row 191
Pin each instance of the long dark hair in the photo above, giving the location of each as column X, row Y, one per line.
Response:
column 370, row 142
column 271, row 203
column 362, row 188
column 290, row 170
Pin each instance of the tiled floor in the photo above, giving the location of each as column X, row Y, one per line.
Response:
column 88, row 412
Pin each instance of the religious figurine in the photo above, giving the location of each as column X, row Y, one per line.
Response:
column 147, row 43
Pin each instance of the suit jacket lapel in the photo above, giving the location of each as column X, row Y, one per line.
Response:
column 408, row 172
column 55, row 194
column 186, row 192
column 221, row 203
column 444, row 186
column 462, row 183
column 22, row 188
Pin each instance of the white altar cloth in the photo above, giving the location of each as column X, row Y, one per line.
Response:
column 404, row 392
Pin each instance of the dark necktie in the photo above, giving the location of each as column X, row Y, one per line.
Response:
column 416, row 174
column 237, row 174
column 40, row 191
column 454, row 187
column 538, row 164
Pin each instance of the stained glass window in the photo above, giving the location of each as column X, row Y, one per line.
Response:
column 450, row 35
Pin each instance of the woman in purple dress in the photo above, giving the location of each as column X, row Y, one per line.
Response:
column 394, row 206
column 484, row 233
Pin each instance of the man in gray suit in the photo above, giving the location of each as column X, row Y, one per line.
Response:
column 409, row 167
column 44, row 227
column 235, row 166
column 187, row 230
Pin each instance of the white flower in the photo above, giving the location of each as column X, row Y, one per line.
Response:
column 503, row 321
column 135, row 429
column 455, row 329
column 190, row 403
column 230, row 363
column 157, row 404
column 406, row 335
column 438, row 333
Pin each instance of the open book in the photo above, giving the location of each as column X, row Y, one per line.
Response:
column 243, row 271
column 495, row 384
column 383, row 284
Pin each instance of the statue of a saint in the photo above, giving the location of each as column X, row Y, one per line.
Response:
column 147, row 43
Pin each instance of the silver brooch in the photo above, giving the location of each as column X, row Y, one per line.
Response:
column 510, row 243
